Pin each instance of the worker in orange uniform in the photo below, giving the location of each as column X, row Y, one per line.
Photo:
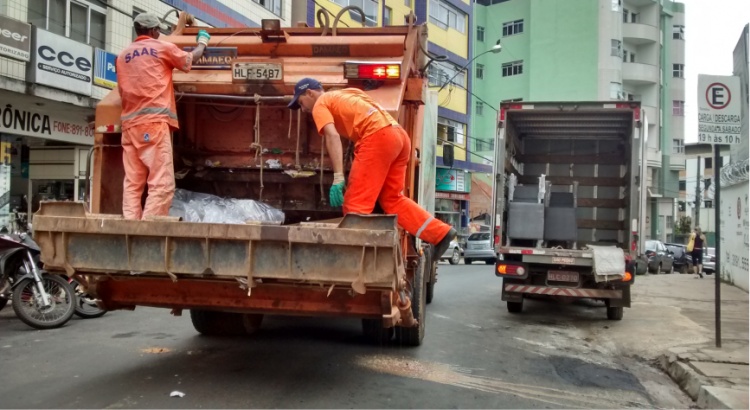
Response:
column 149, row 114
column 381, row 155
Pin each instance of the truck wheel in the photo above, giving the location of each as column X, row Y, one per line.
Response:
column 374, row 331
column 614, row 313
column 431, row 277
column 429, row 291
column 455, row 257
column 515, row 307
column 467, row 261
column 212, row 323
column 412, row 336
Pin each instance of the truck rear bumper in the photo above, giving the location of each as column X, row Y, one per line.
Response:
column 564, row 292
column 126, row 293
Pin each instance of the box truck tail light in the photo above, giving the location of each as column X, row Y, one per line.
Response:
column 365, row 71
column 503, row 269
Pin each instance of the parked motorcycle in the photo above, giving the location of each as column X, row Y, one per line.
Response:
column 86, row 306
column 40, row 300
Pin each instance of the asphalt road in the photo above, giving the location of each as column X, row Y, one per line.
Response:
column 475, row 355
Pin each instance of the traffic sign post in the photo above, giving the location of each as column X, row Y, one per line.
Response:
column 719, row 123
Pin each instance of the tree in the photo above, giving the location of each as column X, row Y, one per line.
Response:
column 684, row 225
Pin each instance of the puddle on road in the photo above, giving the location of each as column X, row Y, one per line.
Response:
column 462, row 377
column 156, row 350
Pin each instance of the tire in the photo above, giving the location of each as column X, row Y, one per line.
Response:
column 429, row 291
column 658, row 269
column 683, row 269
column 3, row 302
column 671, row 268
column 468, row 261
column 413, row 336
column 62, row 297
column 375, row 333
column 86, row 307
column 614, row 313
column 455, row 258
column 212, row 323
column 515, row 307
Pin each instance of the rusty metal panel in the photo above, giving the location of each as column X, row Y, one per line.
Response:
column 361, row 247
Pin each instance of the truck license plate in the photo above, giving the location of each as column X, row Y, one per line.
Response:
column 257, row 72
column 562, row 276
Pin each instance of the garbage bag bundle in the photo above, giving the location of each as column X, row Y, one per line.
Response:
column 199, row 207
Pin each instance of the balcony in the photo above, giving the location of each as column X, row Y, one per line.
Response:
column 640, row 74
column 677, row 162
column 652, row 114
column 639, row 34
column 653, row 158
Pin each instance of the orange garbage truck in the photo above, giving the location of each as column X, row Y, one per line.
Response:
column 240, row 148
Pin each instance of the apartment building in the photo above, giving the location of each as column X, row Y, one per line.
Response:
column 590, row 50
column 57, row 63
column 449, row 25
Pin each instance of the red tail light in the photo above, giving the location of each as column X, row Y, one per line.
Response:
column 497, row 239
column 363, row 71
column 504, row 269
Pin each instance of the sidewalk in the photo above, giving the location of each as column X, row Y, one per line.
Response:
column 684, row 304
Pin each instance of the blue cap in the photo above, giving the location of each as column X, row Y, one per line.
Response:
column 302, row 86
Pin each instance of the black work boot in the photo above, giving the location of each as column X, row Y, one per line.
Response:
column 441, row 247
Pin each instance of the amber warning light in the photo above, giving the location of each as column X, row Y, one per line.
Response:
column 372, row 71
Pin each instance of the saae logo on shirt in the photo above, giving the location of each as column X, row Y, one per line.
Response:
column 145, row 52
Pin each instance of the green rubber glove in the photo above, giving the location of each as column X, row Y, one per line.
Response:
column 203, row 37
column 336, row 195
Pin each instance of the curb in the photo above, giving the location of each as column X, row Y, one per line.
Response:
column 700, row 388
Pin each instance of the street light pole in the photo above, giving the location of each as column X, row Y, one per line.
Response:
column 495, row 49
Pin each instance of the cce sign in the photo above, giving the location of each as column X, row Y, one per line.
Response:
column 719, row 110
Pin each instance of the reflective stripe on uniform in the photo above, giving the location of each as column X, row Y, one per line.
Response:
column 424, row 226
column 150, row 110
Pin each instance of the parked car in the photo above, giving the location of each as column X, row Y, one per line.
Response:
column 479, row 247
column 683, row 262
column 709, row 261
column 660, row 259
column 453, row 254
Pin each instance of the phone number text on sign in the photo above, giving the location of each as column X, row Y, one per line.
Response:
column 73, row 129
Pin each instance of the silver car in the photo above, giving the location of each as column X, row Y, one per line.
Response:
column 479, row 247
column 453, row 253
column 709, row 260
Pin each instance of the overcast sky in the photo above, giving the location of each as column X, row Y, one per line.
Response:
column 712, row 29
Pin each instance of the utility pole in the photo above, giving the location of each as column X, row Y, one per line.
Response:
column 698, row 180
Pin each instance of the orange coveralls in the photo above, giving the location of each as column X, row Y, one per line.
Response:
column 149, row 114
column 381, row 156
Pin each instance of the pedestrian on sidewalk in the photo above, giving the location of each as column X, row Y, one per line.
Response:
column 695, row 246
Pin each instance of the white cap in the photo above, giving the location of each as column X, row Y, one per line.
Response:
column 147, row 20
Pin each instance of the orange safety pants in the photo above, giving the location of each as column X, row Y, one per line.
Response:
column 379, row 174
column 147, row 158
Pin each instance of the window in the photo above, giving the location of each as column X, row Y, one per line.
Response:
column 446, row 16
column 632, row 57
column 624, row 56
column 678, row 107
column 274, row 6
column 683, row 186
column 616, row 4
column 678, row 70
column 512, row 27
column 678, row 146
column 670, row 221
column 678, row 32
column 85, row 21
column 451, row 131
column 370, row 7
column 709, row 163
column 482, row 145
column 615, row 91
column 480, row 33
column 480, row 71
column 625, row 14
column 439, row 73
column 479, row 108
column 708, row 204
column 514, row 68
column 616, row 48
column 633, row 17
column 387, row 16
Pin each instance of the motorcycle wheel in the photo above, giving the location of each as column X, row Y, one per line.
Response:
column 26, row 302
column 86, row 306
column 3, row 302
